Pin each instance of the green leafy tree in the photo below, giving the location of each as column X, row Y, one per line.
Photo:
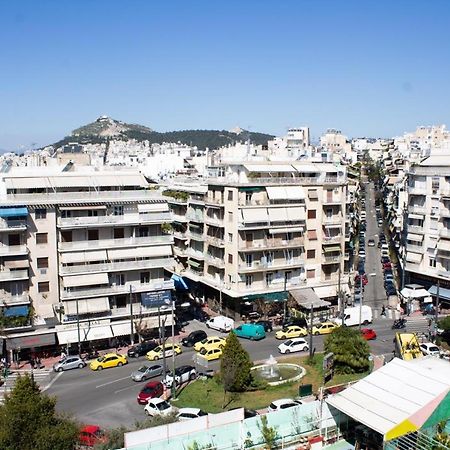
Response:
column 351, row 351
column 28, row 420
column 235, row 366
column 445, row 323
column 269, row 434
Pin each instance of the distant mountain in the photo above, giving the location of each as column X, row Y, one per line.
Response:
column 105, row 128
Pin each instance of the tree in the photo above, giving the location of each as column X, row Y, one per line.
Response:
column 235, row 366
column 28, row 420
column 351, row 351
column 269, row 434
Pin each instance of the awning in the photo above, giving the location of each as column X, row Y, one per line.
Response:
column 86, row 306
column 296, row 213
column 255, row 215
column 444, row 294
column 27, row 183
column 312, row 234
column 179, row 282
column 285, row 230
column 77, row 257
column 444, row 245
column 307, row 297
column 16, row 311
column 413, row 257
column 295, row 193
column 151, row 207
column 312, row 195
column 13, row 212
column 327, row 291
column 269, row 168
column 276, row 193
column 122, row 329
column 416, row 216
column 331, row 248
column 122, row 253
column 268, row 297
column 68, row 334
column 31, row 341
column 153, row 252
column 278, row 215
column 152, row 322
column 193, row 263
column 407, row 292
column 88, row 279
column 81, row 208
column 414, row 237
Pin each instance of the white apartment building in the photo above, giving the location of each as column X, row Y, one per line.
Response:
column 87, row 244
column 257, row 229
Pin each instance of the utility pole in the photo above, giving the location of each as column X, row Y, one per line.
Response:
column 436, row 312
column 131, row 316
column 340, row 299
column 361, row 301
column 310, row 331
column 78, row 331
column 285, row 295
column 163, row 333
column 159, row 325
column 174, row 387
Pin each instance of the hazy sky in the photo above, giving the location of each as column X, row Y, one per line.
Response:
column 369, row 68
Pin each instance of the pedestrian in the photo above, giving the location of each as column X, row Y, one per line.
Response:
column 63, row 355
column 38, row 363
column 383, row 310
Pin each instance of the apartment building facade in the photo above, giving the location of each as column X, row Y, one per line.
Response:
column 86, row 245
column 257, row 229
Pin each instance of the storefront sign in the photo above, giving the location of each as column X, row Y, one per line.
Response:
column 156, row 299
column 35, row 340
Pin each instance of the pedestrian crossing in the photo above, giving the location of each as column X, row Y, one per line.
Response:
column 417, row 324
column 391, row 314
column 41, row 376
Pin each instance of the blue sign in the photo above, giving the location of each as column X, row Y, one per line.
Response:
column 156, row 299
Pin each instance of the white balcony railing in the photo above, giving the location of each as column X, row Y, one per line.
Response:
column 217, row 221
column 9, row 275
column 157, row 217
column 416, row 209
column 271, row 243
column 10, row 299
column 336, row 239
column 115, row 243
column 331, row 259
column 195, row 254
column 6, row 250
column 443, row 232
column 13, row 224
column 218, row 242
column 213, row 261
column 276, row 264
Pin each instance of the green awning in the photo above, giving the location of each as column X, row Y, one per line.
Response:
column 250, row 189
column 193, row 263
column 269, row 297
column 332, row 248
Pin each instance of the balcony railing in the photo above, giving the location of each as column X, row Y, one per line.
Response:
column 195, row 217
column 157, row 217
column 179, row 218
column 333, row 220
column 194, row 235
column 115, row 290
column 276, row 264
column 118, row 266
column 271, row 243
column 281, row 180
column 414, row 248
column 217, row 221
column 179, row 235
column 7, row 250
column 115, row 243
column 336, row 239
column 443, row 232
column 10, row 275
column 13, row 225
column 331, row 259
column 218, row 242
column 415, row 229
column 214, row 261
column 180, row 251
column 332, row 200
column 213, row 201
column 11, row 300
column 195, row 254
column 415, row 209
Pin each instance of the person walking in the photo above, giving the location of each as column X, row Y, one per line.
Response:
column 383, row 311
column 63, row 355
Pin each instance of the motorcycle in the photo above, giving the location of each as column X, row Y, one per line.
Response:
column 398, row 324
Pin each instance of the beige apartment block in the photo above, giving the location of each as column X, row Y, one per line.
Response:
column 81, row 244
column 256, row 230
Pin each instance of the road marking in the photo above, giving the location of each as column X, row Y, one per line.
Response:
column 49, row 385
column 111, row 382
column 373, row 274
column 123, row 389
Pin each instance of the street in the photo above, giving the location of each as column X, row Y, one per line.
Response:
column 108, row 398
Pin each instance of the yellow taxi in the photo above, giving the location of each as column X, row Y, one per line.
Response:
column 210, row 354
column 107, row 361
column 324, row 328
column 169, row 350
column 293, row 331
column 209, row 343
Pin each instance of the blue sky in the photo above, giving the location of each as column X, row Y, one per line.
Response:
column 369, row 68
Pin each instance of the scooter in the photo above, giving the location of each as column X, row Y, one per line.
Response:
column 398, row 324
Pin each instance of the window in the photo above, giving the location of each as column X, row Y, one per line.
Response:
column 66, row 213
column 248, row 198
column 92, row 213
column 42, row 263
column 269, row 278
column 40, row 213
column 432, row 262
column 41, row 238
column 311, row 213
column 118, row 210
column 230, row 217
column 230, row 258
column 310, row 273
column 44, row 287
column 143, row 231
column 287, row 276
column 119, row 233
column 66, row 236
column 230, row 237
column 248, row 280
column 230, row 196
column 92, row 235
column 145, row 277
column 310, row 254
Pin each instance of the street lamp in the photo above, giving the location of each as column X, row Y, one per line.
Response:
column 174, row 388
column 131, row 316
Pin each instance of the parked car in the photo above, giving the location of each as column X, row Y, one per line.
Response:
column 190, row 413
column 210, row 342
column 387, row 266
column 141, row 349
column 107, row 361
column 250, row 331
column 183, row 374
column 193, row 338
column 324, row 328
column 267, row 324
column 91, row 435
column 385, row 259
column 293, row 345
column 368, row 334
column 430, row 349
column 293, row 331
column 299, row 321
column 220, row 323
column 152, row 389
column 362, row 253
column 169, row 350
column 283, row 403
column 159, row 407
column 68, row 363
column 200, row 315
column 248, row 413
column 145, row 372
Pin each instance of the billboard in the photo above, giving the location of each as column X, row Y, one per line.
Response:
column 156, row 299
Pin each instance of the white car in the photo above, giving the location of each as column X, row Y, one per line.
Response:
column 283, row 403
column 190, row 413
column 430, row 349
column 362, row 253
column 182, row 375
column 293, row 345
column 159, row 407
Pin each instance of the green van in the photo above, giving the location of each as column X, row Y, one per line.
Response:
column 250, row 331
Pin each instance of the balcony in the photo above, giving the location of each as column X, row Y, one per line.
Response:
column 416, row 209
column 271, row 243
column 195, row 217
column 115, row 243
column 179, row 251
column 126, row 219
column 13, row 275
column 335, row 259
column 165, row 263
column 176, row 201
column 179, row 235
column 415, row 229
column 117, row 290
column 258, row 266
column 414, row 248
column 248, row 226
column 335, row 239
column 195, row 254
column 332, row 200
column 9, row 299
column 417, row 190
column 301, row 181
column 13, row 250
column 214, row 261
column 443, row 232
column 333, row 220
column 217, row 242
column 213, row 201
column 179, row 218
column 216, row 221
column 195, row 236
column 13, row 225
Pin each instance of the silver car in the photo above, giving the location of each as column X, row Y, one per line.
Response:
column 71, row 362
column 146, row 372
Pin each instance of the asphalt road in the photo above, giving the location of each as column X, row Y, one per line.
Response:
column 108, row 398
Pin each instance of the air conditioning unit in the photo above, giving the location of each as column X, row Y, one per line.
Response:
column 43, row 271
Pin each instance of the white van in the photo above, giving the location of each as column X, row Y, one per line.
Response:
column 220, row 323
column 351, row 316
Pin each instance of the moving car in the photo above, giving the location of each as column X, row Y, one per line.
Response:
column 250, row 331
column 211, row 354
column 152, row 389
column 182, row 375
column 91, row 435
column 193, row 338
column 210, row 342
column 368, row 334
column 292, row 331
column 293, row 345
column 107, row 361
column 190, row 413
column 430, row 349
column 145, row 372
column 68, row 363
column 283, row 403
column 220, row 323
column 267, row 324
column 352, row 315
column 371, row 243
column 159, row 407
column 169, row 350
column 141, row 349
column 324, row 328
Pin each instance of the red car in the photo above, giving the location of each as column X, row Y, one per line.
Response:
column 364, row 279
column 368, row 334
column 387, row 265
column 150, row 390
column 91, row 435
